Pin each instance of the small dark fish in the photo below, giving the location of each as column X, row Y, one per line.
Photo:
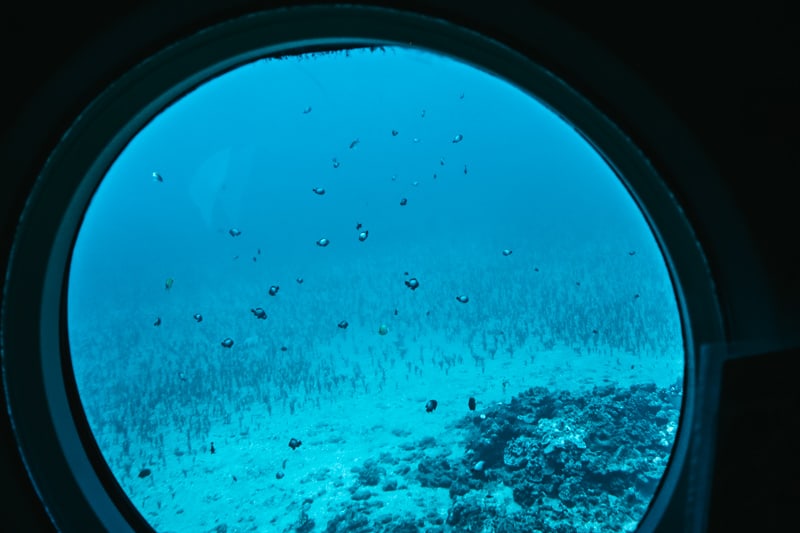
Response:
column 212, row 449
column 465, row 170
column 430, row 406
column 273, row 290
column 158, row 321
column 235, row 257
column 258, row 251
column 403, row 201
column 594, row 331
column 471, row 403
column 423, row 113
column 182, row 376
column 412, row 283
column 434, row 176
column 636, row 296
column 458, row 138
column 279, row 475
column 323, row 242
column 307, row 110
column 632, row 252
column 299, row 281
column 395, row 312
column 394, row 133
column 227, row 342
column 536, row 269
column 234, row 232
column 284, row 348
column 319, row 190
column 144, row 472
column 354, row 143
column 197, row 317
column 462, row 298
column 234, row 478
column 294, row 443
column 363, row 235
column 336, row 163
column 577, row 283
column 255, row 259
column 359, row 225
column 405, row 273
column 157, row 177
column 441, row 163
column 507, row 252
column 283, row 464
column 259, row 313
column 461, row 96
column 343, row 324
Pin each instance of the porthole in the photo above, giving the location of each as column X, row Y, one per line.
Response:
column 343, row 281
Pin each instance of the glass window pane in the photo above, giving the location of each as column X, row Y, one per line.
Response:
column 375, row 289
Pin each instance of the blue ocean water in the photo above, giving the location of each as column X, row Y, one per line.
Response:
column 477, row 247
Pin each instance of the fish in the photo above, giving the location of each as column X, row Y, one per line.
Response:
column 157, row 177
column 471, row 403
column 507, row 252
column 182, row 376
column 458, row 138
column 284, row 348
column 294, row 443
column 144, row 472
column 197, row 317
column 307, row 110
column 363, row 235
column 299, row 281
column 359, row 226
column 383, row 330
column 227, row 342
column 403, row 201
column 336, row 163
column 273, row 290
column 323, row 242
column 259, row 313
column 234, row 232
column 465, row 170
column 343, row 324
column 319, row 190
column 632, row 253
column 412, row 283
column 168, row 283
column 423, row 113
column 430, row 406
column 462, row 298
column 354, row 143
column 212, row 449
column 279, row 475
column 158, row 321
column 394, row 133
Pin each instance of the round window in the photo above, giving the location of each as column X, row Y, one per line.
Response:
column 371, row 289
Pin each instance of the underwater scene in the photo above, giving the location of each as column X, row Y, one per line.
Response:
column 373, row 290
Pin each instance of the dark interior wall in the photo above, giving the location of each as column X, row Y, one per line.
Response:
column 728, row 73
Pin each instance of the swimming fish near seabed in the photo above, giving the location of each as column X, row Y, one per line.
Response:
column 197, row 317
column 430, row 406
column 259, row 313
column 227, row 342
column 273, row 290
column 471, row 403
column 234, row 232
column 294, row 443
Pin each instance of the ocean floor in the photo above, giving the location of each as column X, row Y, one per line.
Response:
column 559, row 442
